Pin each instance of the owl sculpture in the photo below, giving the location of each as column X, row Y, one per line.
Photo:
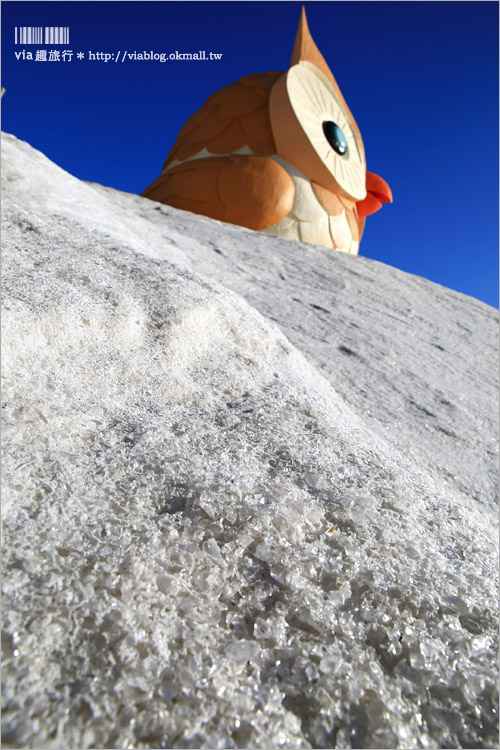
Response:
column 277, row 152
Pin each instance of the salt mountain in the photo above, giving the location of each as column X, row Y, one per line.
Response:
column 249, row 485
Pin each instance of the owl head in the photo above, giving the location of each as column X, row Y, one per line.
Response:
column 312, row 125
column 278, row 152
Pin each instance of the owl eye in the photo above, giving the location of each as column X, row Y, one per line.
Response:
column 313, row 131
column 335, row 137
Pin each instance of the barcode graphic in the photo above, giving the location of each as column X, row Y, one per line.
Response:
column 41, row 34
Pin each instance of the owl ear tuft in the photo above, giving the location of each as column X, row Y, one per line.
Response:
column 305, row 49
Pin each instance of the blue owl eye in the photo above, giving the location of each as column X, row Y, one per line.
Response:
column 335, row 137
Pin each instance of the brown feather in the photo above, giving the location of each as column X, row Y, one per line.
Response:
column 251, row 191
column 330, row 201
column 213, row 126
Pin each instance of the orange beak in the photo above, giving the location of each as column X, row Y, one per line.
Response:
column 378, row 192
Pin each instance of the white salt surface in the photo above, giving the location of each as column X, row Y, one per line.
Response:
column 253, row 518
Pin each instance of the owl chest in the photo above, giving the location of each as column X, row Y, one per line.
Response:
column 333, row 225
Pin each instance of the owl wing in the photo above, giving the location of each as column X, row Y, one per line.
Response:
column 252, row 191
column 235, row 116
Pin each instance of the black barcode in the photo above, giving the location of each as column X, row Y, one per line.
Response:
column 41, row 34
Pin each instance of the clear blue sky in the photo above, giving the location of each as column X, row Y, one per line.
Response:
column 421, row 79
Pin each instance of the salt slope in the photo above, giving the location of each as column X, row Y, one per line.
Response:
column 204, row 545
column 418, row 361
